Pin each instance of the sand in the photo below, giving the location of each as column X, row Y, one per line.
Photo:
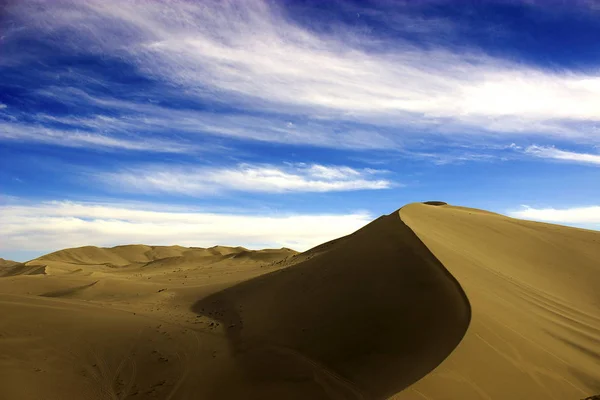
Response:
column 535, row 298
column 428, row 302
column 6, row 263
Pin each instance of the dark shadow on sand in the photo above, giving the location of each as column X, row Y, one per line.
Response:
column 364, row 318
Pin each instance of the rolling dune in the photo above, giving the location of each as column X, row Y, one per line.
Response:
column 428, row 302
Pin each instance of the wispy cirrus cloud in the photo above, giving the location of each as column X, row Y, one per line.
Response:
column 563, row 155
column 85, row 138
column 252, row 55
column 120, row 117
column 203, row 181
column 55, row 225
column 284, row 64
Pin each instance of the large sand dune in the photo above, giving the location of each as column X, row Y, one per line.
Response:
column 431, row 302
column 535, row 296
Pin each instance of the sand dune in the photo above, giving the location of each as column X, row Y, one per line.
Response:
column 429, row 302
column 363, row 318
column 7, row 267
column 534, row 292
column 7, row 263
column 22, row 269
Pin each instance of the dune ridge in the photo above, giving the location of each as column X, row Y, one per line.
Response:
column 120, row 256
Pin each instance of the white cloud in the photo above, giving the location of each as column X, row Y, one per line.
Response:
column 75, row 138
column 55, row 225
column 157, row 120
column 246, row 178
column 557, row 154
column 249, row 53
column 2, row 106
column 577, row 215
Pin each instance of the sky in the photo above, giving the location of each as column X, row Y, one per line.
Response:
column 289, row 123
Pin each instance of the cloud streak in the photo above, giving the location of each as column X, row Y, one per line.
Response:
column 50, row 226
column 285, row 64
column 206, row 181
column 17, row 131
column 575, row 215
column 250, row 54
column 119, row 117
column 557, row 154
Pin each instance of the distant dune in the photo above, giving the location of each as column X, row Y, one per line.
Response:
column 429, row 302
column 6, row 263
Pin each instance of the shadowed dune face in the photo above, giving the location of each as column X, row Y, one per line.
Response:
column 362, row 318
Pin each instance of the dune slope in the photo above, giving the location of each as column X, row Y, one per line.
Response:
column 534, row 292
column 93, row 323
column 362, row 317
column 53, row 348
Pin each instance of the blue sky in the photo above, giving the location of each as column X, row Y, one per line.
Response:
column 289, row 123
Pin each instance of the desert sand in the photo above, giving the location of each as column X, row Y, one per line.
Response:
column 6, row 263
column 535, row 300
column 429, row 302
